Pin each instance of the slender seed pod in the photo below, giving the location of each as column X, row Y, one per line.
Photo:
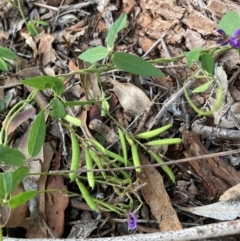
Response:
column 75, row 157
column 98, row 146
column 129, row 139
column 98, row 162
column 115, row 156
column 153, row 133
column 124, row 173
column 109, row 207
column 164, row 142
column 115, row 180
column 86, row 195
column 135, row 157
column 73, row 120
column 123, row 145
column 165, row 168
column 89, row 165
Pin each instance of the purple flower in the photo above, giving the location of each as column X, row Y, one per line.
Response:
column 235, row 39
column 132, row 221
column 222, row 38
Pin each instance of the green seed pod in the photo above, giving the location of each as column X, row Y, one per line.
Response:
column 75, row 157
column 129, row 139
column 164, row 142
column 135, row 156
column 153, row 133
column 115, row 156
column 86, row 195
column 89, row 165
column 73, row 120
column 109, row 207
column 165, row 168
column 98, row 146
column 98, row 162
column 123, row 145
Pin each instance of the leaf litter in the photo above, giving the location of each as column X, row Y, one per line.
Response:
column 56, row 48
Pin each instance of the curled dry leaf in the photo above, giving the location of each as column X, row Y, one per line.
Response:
column 21, row 117
column 133, row 100
column 45, row 49
column 157, row 198
column 232, row 193
column 58, row 36
column 107, row 133
column 128, row 5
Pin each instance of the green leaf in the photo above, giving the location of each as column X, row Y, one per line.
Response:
column 3, row 64
column 11, row 156
column 94, row 54
column 37, row 135
column 8, row 182
column 57, row 109
column 41, row 22
column 31, row 29
column 230, row 22
column 21, row 198
column 135, row 65
column 202, row 87
column 207, row 62
column 17, row 177
column 193, row 56
column 115, row 28
column 2, row 185
column 7, row 53
column 45, row 82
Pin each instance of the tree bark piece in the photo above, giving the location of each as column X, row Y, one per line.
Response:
column 217, row 176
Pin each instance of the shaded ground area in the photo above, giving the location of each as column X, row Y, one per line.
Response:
column 155, row 29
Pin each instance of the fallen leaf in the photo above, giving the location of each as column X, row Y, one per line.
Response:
column 133, row 100
column 157, row 198
column 58, row 36
column 128, row 5
column 45, row 49
column 106, row 132
column 21, row 117
column 30, row 42
column 55, row 205
column 232, row 193
column 3, row 34
column 220, row 211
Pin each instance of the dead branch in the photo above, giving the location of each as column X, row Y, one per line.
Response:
column 194, row 233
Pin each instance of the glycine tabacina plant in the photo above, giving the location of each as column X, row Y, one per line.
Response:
column 95, row 153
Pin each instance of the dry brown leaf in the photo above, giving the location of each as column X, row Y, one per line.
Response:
column 3, row 34
column 54, row 3
column 56, row 204
column 83, row 117
column 232, row 193
column 106, row 132
column 157, row 198
column 128, row 5
column 30, row 42
column 58, row 36
column 45, row 49
column 133, row 100
column 21, row 117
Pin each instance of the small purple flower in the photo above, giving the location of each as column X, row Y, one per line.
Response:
column 235, row 39
column 222, row 39
column 132, row 221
